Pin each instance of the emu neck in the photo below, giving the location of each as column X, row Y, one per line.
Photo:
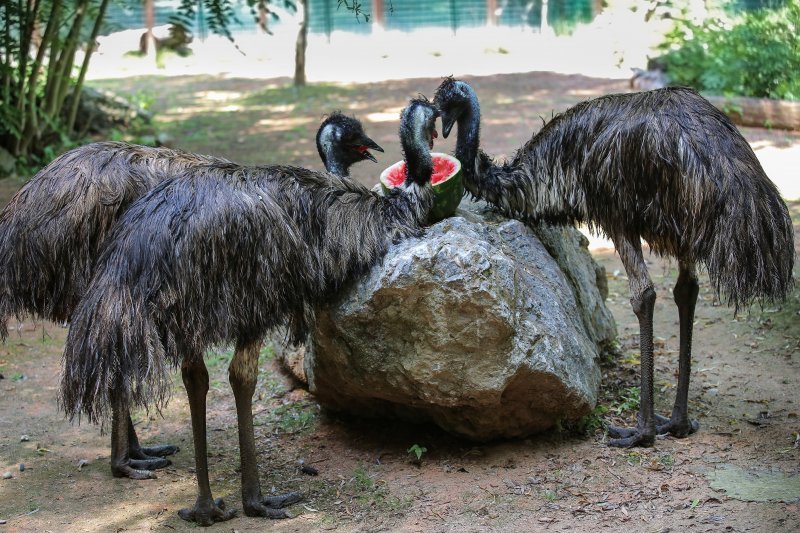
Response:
column 469, row 133
column 335, row 166
column 327, row 148
column 419, row 164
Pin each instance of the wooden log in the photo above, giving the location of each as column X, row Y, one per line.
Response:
column 759, row 112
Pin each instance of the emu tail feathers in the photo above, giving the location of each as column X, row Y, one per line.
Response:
column 113, row 356
column 751, row 253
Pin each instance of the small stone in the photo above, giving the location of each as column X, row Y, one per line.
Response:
column 309, row 470
column 22, row 467
column 7, row 475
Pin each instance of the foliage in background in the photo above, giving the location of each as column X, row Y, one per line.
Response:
column 756, row 53
column 45, row 50
column 39, row 46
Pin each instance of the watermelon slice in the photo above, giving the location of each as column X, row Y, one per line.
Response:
column 448, row 187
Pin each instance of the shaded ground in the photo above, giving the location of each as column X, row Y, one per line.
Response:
column 744, row 388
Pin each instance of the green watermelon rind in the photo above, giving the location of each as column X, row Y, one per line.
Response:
column 447, row 194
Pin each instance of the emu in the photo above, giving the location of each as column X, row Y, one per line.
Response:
column 56, row 225
column 341, row 142
column 223, row 254
column 665, row 166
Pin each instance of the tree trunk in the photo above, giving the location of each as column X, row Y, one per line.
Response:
column 149, row 22
column 7, row 54
column 760, row 112
column 30, row 118
column 66, row 60
column 263, row 16
column 300, row 48
column 26, row 33
column 76, row 94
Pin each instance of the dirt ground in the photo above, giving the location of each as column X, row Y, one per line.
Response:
column 740, row 472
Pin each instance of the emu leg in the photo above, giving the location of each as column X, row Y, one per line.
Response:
column 243, row 373
column 206, row 510
column 148, row 452
column 685, row 293
column 121, row 463
column 643, row 299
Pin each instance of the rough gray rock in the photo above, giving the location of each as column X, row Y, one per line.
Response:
column 485, row 326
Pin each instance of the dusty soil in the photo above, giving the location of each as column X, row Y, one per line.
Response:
column 743, row 392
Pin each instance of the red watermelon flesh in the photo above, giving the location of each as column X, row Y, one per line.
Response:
column 442, row 169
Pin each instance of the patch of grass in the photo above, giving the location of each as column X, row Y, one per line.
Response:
column 296, row 417
column 634, row 458
column 217, row 359
column 356, row 496
column 362, row 480
column 666, row 459
column 375, row 494
column 586, row 425
column 629, row 401
column 301, row 97
column 631, row 358
column 550, row 495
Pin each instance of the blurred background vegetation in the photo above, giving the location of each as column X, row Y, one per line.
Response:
column 733, row 47
column 754, row 52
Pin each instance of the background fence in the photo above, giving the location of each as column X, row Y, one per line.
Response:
column 406, row 15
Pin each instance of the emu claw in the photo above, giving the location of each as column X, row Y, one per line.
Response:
column 131, row 471
column 150, row 463
column 160, row 450
column 272, row 506
column 283, row 500
column 629, row 437
column 205, row 515
column 678, row 429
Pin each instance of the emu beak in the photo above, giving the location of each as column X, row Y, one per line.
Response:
column 368, row 144
column 447, row 124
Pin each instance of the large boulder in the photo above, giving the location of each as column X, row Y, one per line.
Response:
column 486, row 326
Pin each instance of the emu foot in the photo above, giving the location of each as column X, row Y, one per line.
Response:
column 160, row 450
column 272, row 506
column 133, row 470
column 629, row 437
column 678, row 427
column 151, row 458
column 206, row 512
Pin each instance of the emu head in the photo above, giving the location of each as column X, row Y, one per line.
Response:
column 341, row 142
column 453, row 97
column 417, row 133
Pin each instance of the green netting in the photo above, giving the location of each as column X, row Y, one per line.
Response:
column 408, row 15
column 327, row 16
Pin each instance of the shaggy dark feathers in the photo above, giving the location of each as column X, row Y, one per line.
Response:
column 53, row 228
column 665, row 165
column 217, row 255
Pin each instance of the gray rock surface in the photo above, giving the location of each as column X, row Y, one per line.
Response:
column 487, row 327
